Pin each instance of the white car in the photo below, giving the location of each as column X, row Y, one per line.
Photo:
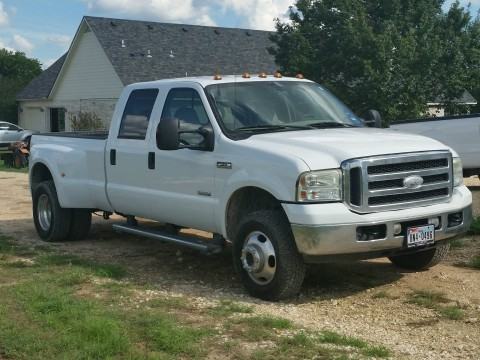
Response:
column 277, row 166
column 10, row 133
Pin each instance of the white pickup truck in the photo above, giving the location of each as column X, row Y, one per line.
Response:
column 278, row 167
column 461, row 133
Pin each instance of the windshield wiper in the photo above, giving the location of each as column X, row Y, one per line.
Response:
column 274, row 127
column 330, row 124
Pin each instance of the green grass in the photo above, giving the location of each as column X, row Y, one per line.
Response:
column 457, row 243
column 452, row 312
column 228, row 307
column 428, row 299
column 51, row 307
column 112, row 271
column 474, row 262
column 475, row 227
column 8, row 169
column 436, row 301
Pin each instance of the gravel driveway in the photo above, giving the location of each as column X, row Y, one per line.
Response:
column 367, row 299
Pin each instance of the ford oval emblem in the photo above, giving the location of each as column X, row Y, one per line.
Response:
column 413, row 182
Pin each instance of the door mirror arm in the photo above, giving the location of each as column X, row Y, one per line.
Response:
column 373, row 119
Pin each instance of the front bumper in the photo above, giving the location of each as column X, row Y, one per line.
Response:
column 338, row 236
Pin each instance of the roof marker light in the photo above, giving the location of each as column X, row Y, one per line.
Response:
column 217, row 77
column 277, row 74
column 262, row 75
column 299, row 76
column 246, row 75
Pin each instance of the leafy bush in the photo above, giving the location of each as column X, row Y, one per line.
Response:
column 86, row 121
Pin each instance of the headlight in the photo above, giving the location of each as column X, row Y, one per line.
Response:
column 457, row 172
column 320, row 186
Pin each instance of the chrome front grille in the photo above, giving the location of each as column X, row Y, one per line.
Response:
column 379, row 183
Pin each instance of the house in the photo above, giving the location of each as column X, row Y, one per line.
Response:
column 436, row 108
column 107, row 54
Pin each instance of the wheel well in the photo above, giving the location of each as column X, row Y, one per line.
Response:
column 246, row 200
column 40, row 173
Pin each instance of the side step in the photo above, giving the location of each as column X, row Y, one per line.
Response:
column 207, row 247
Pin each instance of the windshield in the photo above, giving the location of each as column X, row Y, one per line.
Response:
column 278, row 105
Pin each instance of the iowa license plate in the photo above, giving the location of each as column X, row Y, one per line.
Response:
column 420, row 235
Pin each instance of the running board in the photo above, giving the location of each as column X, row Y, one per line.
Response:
column 206, row 247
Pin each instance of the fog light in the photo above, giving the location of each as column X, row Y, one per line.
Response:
column 435, row 222
column 397, row 229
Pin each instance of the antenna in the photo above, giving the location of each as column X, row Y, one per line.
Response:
column 171, row 55
column 123, row 43
column 149, row 54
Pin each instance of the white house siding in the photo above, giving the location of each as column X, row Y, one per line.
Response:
column 87, row 83
column 88, row 74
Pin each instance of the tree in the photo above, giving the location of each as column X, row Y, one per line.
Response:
column 16, row 71
column 390, row 55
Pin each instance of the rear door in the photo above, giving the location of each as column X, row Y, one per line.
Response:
column 127, row 153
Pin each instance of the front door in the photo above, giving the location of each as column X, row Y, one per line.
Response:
column 183, row 179
column 57, row 119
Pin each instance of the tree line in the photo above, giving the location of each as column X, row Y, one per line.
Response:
column 391, row 55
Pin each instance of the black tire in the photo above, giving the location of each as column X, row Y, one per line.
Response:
column 290, row 267
column 422, row 260
column 59, row 220
column 80, row 224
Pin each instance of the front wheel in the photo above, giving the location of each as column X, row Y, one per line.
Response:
column 266, row 257
column 422, row 260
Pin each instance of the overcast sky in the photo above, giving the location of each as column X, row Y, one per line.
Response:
column 44, row 28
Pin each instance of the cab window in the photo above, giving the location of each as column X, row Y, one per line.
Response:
column 186, row 105
column 136, row 116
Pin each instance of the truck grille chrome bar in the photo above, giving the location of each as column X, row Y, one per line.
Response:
column 396, row 182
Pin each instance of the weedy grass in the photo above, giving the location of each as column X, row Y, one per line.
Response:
column 475, row 227
column 436, row 301
column 9, row 169
column 229, row 307
column 54, row 308
column 112, row 271
column 474, row 262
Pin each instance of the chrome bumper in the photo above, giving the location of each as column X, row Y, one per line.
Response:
column 341, row 239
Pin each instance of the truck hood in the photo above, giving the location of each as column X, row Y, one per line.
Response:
column 328, row 148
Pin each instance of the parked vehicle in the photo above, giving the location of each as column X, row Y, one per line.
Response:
column 11, row 133
column 461, row 133
column 278, row 166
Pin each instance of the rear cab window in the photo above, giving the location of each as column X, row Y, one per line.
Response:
column 137, row 113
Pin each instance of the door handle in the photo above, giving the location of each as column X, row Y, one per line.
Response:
column 151, row 160
column 113, row 157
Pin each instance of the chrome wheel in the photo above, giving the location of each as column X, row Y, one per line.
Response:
column 44, row 212
column 258, row 258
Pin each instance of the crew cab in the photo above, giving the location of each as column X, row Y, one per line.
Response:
column 276, row 166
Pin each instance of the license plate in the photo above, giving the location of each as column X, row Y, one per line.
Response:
column 420, row 235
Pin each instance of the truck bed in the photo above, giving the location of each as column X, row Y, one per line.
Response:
column 461, row 133
column 94, row 135
column 77, row 163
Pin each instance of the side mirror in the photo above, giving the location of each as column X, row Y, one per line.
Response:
column 373, row 119
column 167, row 134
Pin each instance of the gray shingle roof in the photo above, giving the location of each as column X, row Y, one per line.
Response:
column 177, row 49
column 40, row 87
column 465, row 98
